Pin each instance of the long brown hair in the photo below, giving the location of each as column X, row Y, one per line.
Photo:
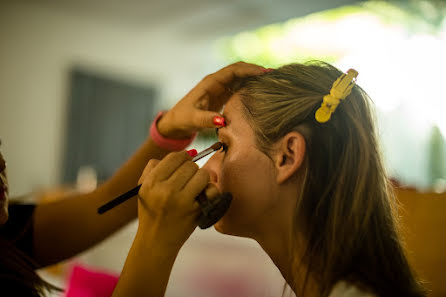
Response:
column 346, row 212
column 17, row 273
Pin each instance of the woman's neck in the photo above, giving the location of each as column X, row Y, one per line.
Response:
column 286, row 249
column 287, row 260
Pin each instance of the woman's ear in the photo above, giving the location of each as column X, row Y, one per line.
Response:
column 289, row 155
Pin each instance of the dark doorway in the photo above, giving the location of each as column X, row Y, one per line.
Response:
column 107, row 120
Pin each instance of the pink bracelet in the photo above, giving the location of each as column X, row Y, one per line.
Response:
column 168, row 143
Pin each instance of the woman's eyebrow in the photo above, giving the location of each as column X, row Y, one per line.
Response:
column 224, row 135
column 227, row 121
column 227, row 118
column 217, row 130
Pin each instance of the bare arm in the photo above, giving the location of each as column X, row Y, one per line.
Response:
column 66, row 227
column 147, row 268
column 167, row 214
column 167, row 210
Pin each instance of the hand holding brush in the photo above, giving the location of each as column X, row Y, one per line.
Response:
column 211, row 211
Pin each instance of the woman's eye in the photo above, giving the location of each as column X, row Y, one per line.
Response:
column 224, row 147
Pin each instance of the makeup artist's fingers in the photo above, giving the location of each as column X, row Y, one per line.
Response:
column 204, row 101
column 238, row 70
column 182, row 175
column 149, row 167
column 209, row 95
column 216, row 84
column 207, row 119
column 168, row 165
column 196, row 184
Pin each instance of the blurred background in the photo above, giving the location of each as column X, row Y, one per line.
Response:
column 80, row 82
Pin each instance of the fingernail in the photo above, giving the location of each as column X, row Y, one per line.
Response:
column 192, row 152
column 268, row 70
column 219, row 121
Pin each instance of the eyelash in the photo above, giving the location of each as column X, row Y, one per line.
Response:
column 224, row 147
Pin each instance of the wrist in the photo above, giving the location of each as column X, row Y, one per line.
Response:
column 162, row 235
column 166, row 137
column 167, row 131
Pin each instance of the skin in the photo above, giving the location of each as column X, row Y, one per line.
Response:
column 53, row 221
column 244, row 171
column 265, row 188
column 75, row 226
column 167, row 210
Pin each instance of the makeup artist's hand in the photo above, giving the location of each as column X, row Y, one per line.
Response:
column 167, row 203
column 200, row 107
column 168, row 214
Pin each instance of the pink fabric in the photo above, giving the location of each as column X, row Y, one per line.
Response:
column 167, row 143
column 84, row 282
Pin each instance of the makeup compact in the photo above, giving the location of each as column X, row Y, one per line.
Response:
column 211, row 210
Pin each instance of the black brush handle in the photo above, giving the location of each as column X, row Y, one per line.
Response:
column 118, row 200
column 133, row 192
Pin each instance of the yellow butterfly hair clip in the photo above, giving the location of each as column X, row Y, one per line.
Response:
column 341, row 88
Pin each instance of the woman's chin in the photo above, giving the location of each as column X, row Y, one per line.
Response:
column 225, row 227
column 221, row 227
column 218, row 226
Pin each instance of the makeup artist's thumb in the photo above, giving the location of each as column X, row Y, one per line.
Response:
column 211, row 191
column 209, row 119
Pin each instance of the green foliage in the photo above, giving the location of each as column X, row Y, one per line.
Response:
column 277, row 44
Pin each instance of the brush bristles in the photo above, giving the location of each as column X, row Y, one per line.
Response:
column 216, row 146
column 209, row 150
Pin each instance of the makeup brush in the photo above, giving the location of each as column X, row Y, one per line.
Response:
column 215, row 147
column 133, row 192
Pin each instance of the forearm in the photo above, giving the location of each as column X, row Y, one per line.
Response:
column 148, row 266
column 74, row 224
column 129, row 173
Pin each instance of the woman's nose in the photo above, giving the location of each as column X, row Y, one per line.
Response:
column 212, row 167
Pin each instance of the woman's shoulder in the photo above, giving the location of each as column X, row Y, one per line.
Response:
column 345, row 289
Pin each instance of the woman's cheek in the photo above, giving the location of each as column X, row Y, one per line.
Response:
column 236, row 179
column 233, row 174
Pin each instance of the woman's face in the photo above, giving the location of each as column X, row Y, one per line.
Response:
column 245, row 172
column 3, row 191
